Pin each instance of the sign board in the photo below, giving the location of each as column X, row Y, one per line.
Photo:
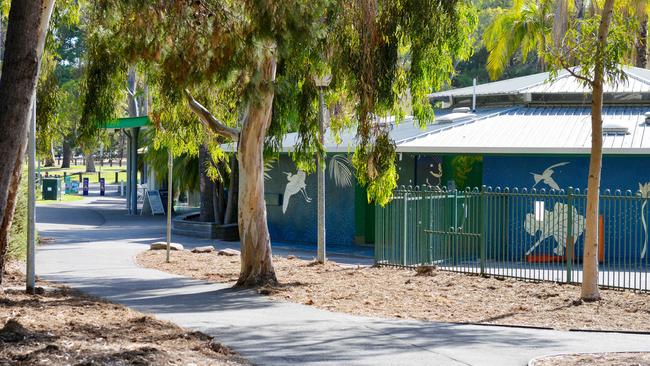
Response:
column 85, row 187
column 74, row 186
column 67, row 180
column 153, row 203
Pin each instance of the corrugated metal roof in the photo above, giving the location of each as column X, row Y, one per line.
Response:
column 508, row 86
column 559, row 130
column 405, row 130
column 569, row 84
column 638, row 81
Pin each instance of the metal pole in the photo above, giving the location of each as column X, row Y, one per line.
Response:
column 170, row 167
column 320, row 167
column 31, row 201
column 474, row 95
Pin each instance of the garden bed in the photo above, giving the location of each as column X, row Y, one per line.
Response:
column 63, row 327
column 436, row 296
column 588, row 359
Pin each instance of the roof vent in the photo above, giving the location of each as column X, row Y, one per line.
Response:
column 614, row 129
column 461, row 110
column 647, row 118
column 455, row 117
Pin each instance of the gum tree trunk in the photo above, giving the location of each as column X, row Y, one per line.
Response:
column 25, row 38
column 642, row 42
column 589, row 291
column 90, row 163
column 67, row 154
column 206, row 187
column 256, row 262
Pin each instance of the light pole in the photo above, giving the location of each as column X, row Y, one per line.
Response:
column 170, row 168
column 31, row 203
column 321, row 82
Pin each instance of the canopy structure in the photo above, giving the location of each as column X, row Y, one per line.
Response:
column 131, row 127
column 129, row 122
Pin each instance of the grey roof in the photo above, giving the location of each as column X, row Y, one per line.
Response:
column 638, row 81
column 405, row 130
column 554, row 130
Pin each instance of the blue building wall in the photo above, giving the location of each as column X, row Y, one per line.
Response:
column 291, row 211
column 624, row 232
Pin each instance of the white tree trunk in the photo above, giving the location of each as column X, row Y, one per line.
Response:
column 256, row 261
column 589, row 291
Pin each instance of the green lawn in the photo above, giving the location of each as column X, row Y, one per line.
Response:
column 65, row 198
column 106, row 172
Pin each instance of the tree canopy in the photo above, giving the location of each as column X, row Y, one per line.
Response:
column 375, row 51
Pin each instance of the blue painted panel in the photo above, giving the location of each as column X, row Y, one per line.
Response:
column 624, row 234
column 294, row 219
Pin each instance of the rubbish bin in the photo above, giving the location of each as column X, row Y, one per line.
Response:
column 52, row 189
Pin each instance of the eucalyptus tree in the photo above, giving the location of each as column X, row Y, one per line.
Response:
column 590, row 41
column 27, row 26
column 245, row 69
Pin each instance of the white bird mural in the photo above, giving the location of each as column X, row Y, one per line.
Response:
column 547, row 176
column 296, row 184
column 554, row 224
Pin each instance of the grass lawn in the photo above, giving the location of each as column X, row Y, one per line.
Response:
column 106, row 172
column 65, row 198
column 59, row 326
column 433, row 295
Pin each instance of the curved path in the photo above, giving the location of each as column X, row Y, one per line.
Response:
column 93, row 251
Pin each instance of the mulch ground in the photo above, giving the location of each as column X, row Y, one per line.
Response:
column 610, row 359
column 60, row 326
column 432, row 295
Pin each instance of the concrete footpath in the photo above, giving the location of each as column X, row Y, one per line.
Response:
column 95, row 243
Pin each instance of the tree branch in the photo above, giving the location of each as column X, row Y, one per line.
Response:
column 211, row 121
column 570, row 70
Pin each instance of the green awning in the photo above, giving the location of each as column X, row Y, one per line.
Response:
column 130, row 122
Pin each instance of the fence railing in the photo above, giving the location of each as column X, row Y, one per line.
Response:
column 525, row 234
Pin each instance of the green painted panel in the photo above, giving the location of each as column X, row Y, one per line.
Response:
column 131, row 122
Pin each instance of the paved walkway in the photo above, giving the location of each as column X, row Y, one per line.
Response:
column 94, row 250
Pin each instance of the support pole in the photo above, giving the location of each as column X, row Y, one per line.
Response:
column 128, row 171
column 31, row 204
column 170, row 169
column 133, row 178
column 320, row 168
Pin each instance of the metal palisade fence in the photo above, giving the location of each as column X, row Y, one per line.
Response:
column 525, row 234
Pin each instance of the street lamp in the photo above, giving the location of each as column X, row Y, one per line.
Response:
column 321, row 82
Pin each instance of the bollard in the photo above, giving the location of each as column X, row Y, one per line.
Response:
column 102, row 187
column 117, row 174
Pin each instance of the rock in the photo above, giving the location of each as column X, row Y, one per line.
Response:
column 161, row 245
column 205, row 249
column 291, row 257
column 228, row 252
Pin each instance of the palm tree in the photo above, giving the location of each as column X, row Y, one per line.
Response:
column 527, row 26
